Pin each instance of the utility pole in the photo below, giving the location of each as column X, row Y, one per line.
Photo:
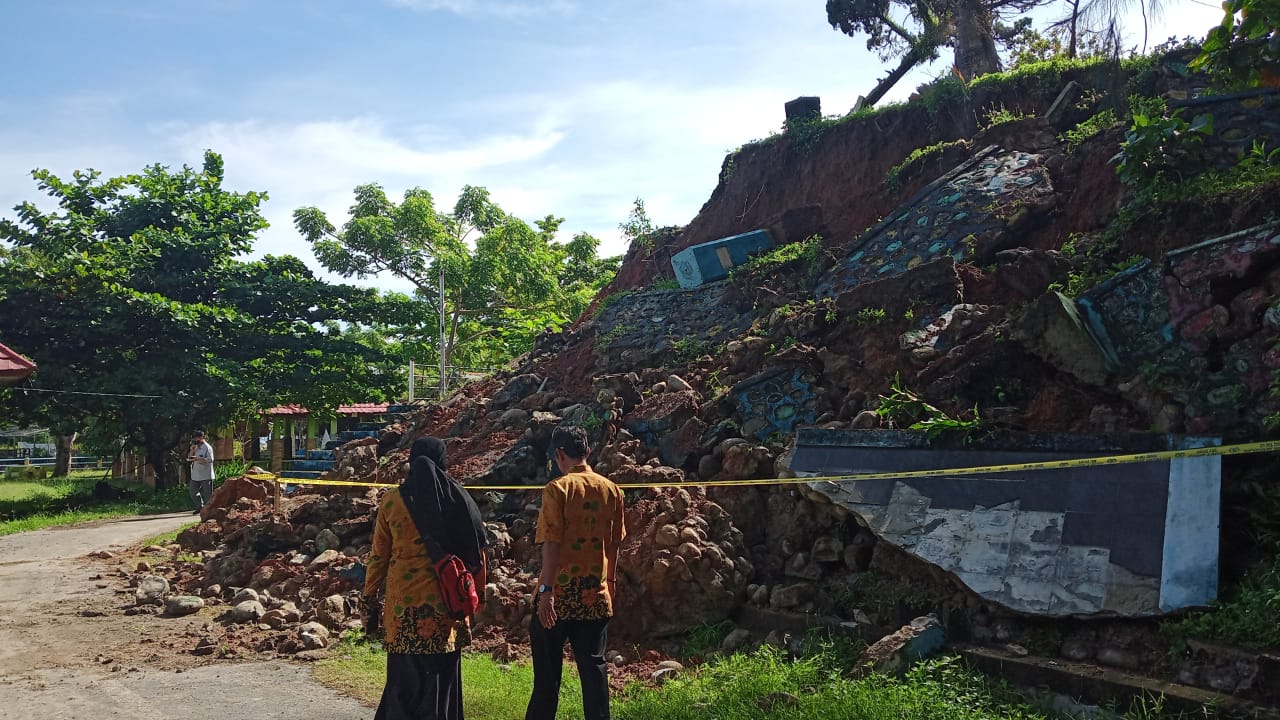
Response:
column 444, row 381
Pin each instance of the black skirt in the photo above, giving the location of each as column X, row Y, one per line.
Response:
column 422, row 687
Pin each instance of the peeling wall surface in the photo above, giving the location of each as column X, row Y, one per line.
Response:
column 1109, row 540
column 964, row 210
column 1198, row 325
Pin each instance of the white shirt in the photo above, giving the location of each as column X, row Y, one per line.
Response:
column 202, row 466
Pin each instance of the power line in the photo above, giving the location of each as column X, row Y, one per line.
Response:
column 10, row 433
column 76, row 392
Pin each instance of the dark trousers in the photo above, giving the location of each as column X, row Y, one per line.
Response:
column 422, row 687
column 587, row 637
column 200, row 492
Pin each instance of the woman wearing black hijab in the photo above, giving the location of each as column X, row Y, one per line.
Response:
column 424, row 643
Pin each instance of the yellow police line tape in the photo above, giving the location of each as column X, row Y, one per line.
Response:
column 1240, row 449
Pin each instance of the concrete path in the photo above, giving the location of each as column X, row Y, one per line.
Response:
column 68, row 651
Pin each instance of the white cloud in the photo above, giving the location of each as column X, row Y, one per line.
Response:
column 340, row 147
column 510, row 9
column 582, row 149
column 320, row 163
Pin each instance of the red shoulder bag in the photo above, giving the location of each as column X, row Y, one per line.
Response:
column 457, row 586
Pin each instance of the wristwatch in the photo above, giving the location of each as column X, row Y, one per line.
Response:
column 544, row 588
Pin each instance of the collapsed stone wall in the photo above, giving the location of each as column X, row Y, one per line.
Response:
column 948, row 299
column 1194, row 334
column 843, row 173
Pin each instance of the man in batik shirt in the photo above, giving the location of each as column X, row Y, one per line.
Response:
column 580, row 527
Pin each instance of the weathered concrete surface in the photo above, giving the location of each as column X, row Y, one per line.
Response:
column 1052, row 329
column 895, row 653
column 213, row 692
column 711, row 261
column 1108, row 687
column 1123, row 540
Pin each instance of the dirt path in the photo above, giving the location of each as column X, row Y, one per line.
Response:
column 67, row 651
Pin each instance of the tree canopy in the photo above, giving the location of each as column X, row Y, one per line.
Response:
column 504, row 280
column 133, row 300
column 917, row 30
column 1244, row 49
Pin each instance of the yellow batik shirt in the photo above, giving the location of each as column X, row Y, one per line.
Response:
column 583, row 511
column 414, row 616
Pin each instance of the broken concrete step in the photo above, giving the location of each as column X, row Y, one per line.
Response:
column 1106, row 686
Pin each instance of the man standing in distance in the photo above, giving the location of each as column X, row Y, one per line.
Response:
column 200, row 486
column 580, row 527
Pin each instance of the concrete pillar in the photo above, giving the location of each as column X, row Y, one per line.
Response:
column 313, row 433
column 277, row 448
column 803, row 109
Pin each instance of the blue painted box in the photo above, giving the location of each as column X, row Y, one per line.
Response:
column 713, row 260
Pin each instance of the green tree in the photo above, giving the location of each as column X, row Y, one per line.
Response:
column 916, row 30
column 494, row 281
column 1244, row 49
column 142, row 318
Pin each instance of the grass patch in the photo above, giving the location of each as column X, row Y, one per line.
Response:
column 32, row 506
column 767, row 685
column 893, row 179
column 705, row 640
column 170, row 537
column 1245, row 617
column 763, row 685
column 1095, row 125
column 21, row 490
column 490, row 691
column 805, row 251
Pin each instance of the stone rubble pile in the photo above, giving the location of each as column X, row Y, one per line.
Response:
column 687, row 561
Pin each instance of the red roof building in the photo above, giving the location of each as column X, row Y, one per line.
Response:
column 356, row 409
column 13, row 367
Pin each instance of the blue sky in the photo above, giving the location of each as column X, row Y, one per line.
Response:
column 571, row 107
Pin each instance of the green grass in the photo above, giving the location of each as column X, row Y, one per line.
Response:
column 764, row 685
column 169, row 537
column 490, row 691
column 21, row 489
column 31, row 506
column 705, row 640
column 806, row 250
column 1245, row 616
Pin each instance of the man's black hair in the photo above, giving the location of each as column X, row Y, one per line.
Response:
column 572, row 439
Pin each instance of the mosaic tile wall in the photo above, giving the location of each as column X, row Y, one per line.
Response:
column 955, row 214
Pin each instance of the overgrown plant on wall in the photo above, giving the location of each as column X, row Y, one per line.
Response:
column 904, row 409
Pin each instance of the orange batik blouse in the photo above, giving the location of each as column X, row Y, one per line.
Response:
column 414, row 616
